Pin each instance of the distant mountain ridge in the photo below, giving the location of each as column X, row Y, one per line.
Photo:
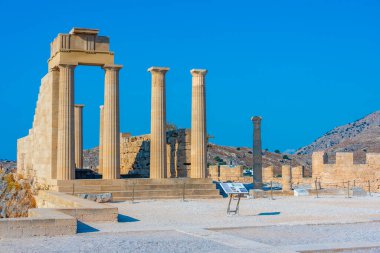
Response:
column 361, row 136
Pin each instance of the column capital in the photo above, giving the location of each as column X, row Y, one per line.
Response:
column 79, row 105
column 162, row 70
column 198, row 72
column 55, row 68
column 256, row 119
column 112, row 67
column 67, row 65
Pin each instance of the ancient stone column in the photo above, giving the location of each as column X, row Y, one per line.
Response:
column 111, row 123
column 78, row 136
column 257, row 156
column 65, row 145
column 198, row 124
column 158, row 124
column 100, row 166
column 286, row 178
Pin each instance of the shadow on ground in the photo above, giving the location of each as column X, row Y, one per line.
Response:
column 269, row 213
column 125, row 218
column 84, row 228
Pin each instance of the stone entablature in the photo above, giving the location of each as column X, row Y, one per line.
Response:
column 344, row 169
column 80, row 46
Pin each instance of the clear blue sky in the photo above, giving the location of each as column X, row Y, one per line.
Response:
column 305, row 66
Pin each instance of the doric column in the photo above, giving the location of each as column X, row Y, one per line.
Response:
column 198, row 124
column 111, row 123
column 100, row 159
column 257, row 155
column 286, row 178
column 65, row 145
column 78, row 136
column 158, row 123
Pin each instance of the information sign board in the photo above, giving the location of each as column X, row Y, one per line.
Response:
column 233, row 188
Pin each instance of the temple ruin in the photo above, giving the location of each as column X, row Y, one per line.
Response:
column 53, row 149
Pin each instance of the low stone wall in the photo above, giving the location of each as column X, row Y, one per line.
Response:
column 41, row 222
column 297, row 177
column 226, row 173
column 82, row 209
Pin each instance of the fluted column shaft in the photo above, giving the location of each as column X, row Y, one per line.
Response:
column 65, row 145
column 198, row 124
column 257, row 152
column 158, row 124
column 78, row 109
column 101, row 127
column 111, row 124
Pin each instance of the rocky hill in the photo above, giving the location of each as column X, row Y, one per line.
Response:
column 243, row 156
column 360, row 137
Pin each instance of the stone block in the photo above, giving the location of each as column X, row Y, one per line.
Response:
column 301, row 192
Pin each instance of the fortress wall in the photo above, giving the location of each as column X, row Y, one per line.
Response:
column 344, row 170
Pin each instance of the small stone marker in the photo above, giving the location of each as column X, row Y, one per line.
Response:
column 100, row 198
column 257, row 193
column 358, row 192
column 300, row 192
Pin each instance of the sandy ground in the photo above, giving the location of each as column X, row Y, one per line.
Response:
column 286, row 224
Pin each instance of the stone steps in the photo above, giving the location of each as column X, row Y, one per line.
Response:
column 136, row 187
column 124, row 189
column 120, row 199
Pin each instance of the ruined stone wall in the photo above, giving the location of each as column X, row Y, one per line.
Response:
column 344, row 169
column 135, row 154
column 36, row 155
column 228, row 173
column 296, row 175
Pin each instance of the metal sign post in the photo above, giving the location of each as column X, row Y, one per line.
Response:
column 234, row 189
column 236, row 210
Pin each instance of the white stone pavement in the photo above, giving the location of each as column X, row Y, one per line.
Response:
column 286, row 224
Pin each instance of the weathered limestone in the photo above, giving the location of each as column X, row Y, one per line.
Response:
column 257, row 152
column 78, row 109
column 111, row 127
column 227, row 173
column 47, row 153
column 198, row 124
column 100, row 167
column 268, row 174
column 135, row 154
column 158, row 123
column 286, row 178
column 365, row 175
column 65, row 148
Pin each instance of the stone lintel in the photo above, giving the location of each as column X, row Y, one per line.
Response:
column 79, row 105
column 158, row 69
column 77, row 30
column 256, row 119
column 198, row 71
